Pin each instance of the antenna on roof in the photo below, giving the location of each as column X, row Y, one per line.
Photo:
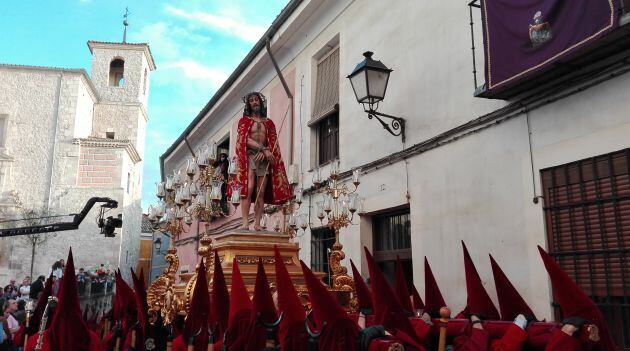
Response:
column 125, row 23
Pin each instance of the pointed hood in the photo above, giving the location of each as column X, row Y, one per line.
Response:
column 199, row 311
column 141, row 311
column 140, row 295
column 68, row 330
column 240, row 311
column 263, row 308
column 292, row 334
column 239, row 297
column 36, row 318
column 478, row 300
column 262, row 301
column 389, row 310
column 511, row 303
column 417, row 300
column 402, row 289
column 220, row 308
column 364, row 296
column 126, row 299
column 433, row 299
column 341, row 332
column 574, row 303
column 324, row 304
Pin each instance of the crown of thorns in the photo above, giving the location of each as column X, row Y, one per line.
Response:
column 262, row 97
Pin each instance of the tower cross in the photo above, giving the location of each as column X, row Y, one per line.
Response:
column 125, row 23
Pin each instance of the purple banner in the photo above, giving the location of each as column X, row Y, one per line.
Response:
column 524, row 37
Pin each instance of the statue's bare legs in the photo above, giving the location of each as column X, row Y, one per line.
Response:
column 246, row 201
column 261, row 184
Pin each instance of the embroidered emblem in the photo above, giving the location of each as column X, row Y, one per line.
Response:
column 540, row 31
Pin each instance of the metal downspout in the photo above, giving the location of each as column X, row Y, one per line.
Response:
column 289, row 95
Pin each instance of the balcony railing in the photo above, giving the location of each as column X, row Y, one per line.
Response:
column 609, row 52
column 95, row 289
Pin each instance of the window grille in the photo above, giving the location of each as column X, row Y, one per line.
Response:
column 322, row 240
column 391, row 239
column 328, row 138
column 587, row 216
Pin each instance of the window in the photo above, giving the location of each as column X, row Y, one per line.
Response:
column 109, row 135
column 322, row 240
column 391, row 239
column 325, row 117
column 328, row 138
column 128, row 182
column 116, row 73
column 587, row 211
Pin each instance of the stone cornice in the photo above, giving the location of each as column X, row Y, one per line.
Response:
column 111, row 143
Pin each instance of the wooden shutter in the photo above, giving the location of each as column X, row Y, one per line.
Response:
column 327, row 90
column 587, row 213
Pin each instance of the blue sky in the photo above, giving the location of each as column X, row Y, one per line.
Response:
column 196, row 44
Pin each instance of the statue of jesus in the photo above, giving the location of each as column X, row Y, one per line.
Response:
column 261, row 173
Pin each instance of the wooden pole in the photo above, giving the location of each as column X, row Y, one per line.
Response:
column 445, row 314
column 133, row 339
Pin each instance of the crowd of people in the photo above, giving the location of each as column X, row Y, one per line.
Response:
column 384, row 319
column 16, row 300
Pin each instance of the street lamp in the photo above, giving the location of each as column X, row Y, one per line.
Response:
column 158, row 245
column 369, row 83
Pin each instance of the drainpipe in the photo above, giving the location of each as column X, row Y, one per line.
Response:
column 289, row 95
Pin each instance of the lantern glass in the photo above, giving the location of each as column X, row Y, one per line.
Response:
column 158, row 244
column 369, row 80
column 298, row 195
column 160, row 189
column 233, row 167
column 359, row 85
column 303, row 221
column 377, row 84
column 236, row 194
column 191, row 166
column 169, row 183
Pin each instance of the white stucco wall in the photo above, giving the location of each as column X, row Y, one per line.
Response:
column 477, row 188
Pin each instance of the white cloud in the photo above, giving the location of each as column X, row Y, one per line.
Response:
column 196, row 71
column 228, row 23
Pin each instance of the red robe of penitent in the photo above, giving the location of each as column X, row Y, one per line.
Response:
column 278, row 190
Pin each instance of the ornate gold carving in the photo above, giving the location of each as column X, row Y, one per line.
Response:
column 265, row 260
column 340, row 279
column 160, row 296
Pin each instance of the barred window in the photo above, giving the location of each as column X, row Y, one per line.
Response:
column 328, row 138
column 391, row 239
column 587, row 216
column 322, row 240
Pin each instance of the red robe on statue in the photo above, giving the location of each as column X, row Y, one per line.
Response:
column 278, row 190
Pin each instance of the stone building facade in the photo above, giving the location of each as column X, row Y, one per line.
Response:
column 67, row 137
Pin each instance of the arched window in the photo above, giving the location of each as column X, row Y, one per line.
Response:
column 116, row 72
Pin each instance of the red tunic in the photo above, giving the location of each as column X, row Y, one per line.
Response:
column 278, row 190
column 95, row 343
